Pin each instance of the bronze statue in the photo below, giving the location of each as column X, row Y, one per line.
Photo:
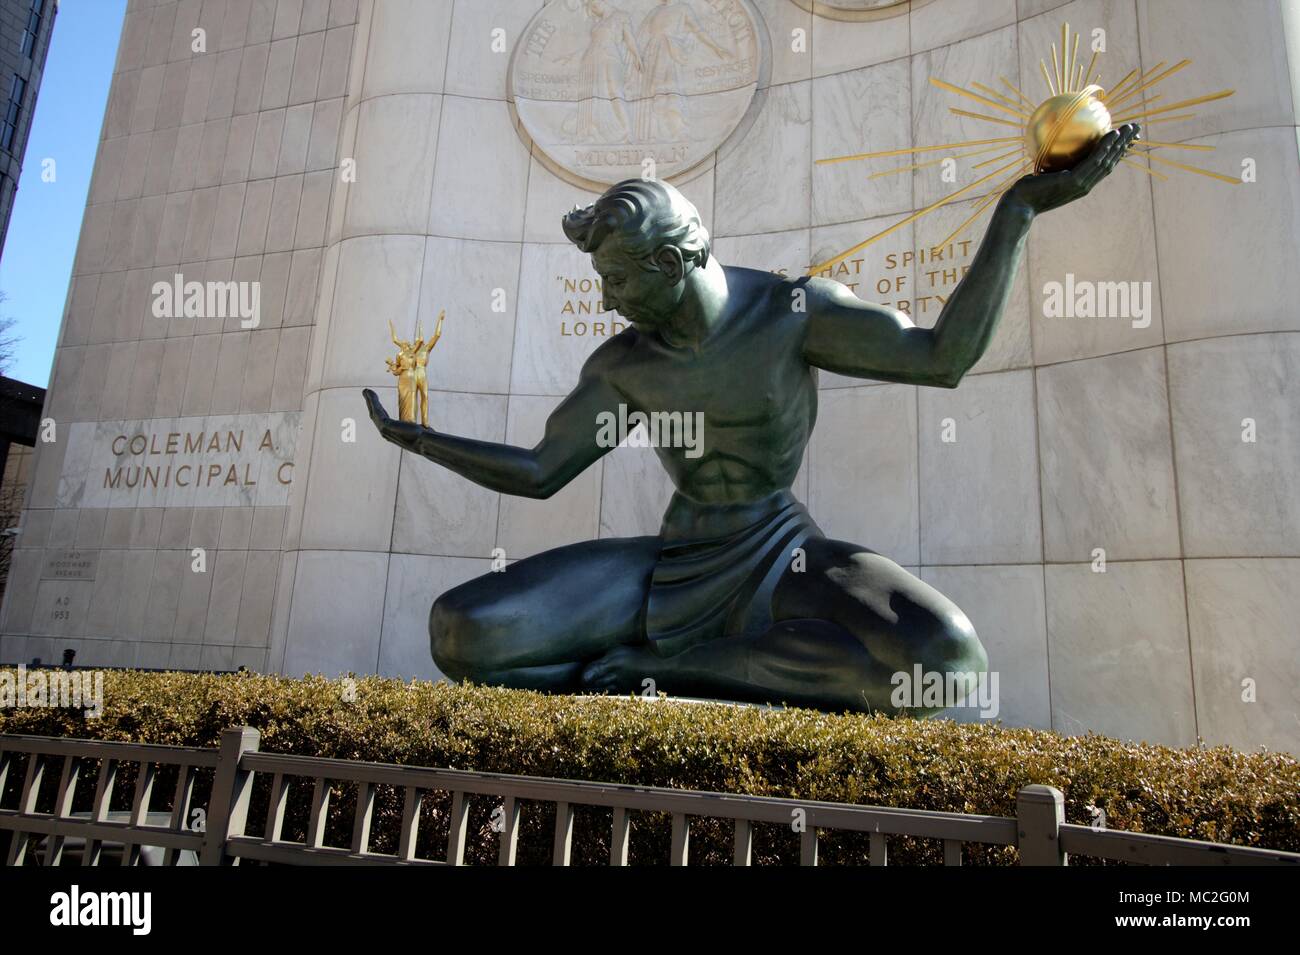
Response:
column 741, row 596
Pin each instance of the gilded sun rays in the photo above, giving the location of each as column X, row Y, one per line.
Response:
column 1051, row 135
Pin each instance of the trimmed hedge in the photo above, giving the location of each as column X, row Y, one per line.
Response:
column 1217, row 794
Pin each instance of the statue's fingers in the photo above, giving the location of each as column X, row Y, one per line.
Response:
column 1094, row 168
column 1129, row 134
column 1102, row 170
column 1096, row 160
column 1128, row 137
column 1112, row 158
column 1106, row 144
column 1116, row 146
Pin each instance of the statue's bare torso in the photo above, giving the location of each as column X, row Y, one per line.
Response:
column 749, row 381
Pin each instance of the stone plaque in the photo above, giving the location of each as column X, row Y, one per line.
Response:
column 70, row 565
column 604, row 86
column 214, row 461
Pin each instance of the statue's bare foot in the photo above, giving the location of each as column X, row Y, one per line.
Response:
column 624, row 670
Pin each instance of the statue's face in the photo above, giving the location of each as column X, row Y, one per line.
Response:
column 646, row 297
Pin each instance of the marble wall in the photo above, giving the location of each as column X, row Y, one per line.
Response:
column 1074, row 438
column 216, row 162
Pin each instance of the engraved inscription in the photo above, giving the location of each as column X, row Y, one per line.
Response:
column 213, row 461
column 70, row 565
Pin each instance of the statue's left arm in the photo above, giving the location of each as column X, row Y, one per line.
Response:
column 853, row 337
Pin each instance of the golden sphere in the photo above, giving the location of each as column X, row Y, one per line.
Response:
column 1064, row 129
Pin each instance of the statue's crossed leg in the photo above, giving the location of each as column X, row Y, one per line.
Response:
column 570, row 620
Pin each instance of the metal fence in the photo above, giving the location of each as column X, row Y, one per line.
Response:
column 215, row 833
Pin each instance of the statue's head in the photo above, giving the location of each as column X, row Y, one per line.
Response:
column 645, row 239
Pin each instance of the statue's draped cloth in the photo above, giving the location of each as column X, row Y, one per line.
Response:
column 719, row 566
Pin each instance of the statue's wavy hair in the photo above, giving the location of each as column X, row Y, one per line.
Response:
column 644, row 214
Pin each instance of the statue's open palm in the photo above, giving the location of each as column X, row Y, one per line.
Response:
column 1050, row 190
column 403, row 433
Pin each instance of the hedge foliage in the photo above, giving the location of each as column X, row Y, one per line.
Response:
column 1217, row 794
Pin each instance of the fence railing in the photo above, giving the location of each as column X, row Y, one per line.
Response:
column 72, row 759
column 218, row 833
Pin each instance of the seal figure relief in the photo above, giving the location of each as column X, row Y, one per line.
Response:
column 604, row 86
column 855, row 9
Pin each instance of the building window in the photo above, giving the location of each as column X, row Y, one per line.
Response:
column 12, row 112
column 33, row 29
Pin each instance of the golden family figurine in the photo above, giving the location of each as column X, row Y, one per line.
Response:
column 411, row 368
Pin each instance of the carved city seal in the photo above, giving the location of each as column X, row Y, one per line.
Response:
column 612, row 89
column 857, row 9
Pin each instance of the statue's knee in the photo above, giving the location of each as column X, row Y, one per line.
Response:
column 452, row 636
column 954, row 647
column 942, row 639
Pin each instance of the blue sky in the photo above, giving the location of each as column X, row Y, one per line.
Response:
column 46, row 221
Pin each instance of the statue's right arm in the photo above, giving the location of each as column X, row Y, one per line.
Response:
column 568, row 447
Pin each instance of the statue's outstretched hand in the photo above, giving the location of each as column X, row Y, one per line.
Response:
column 1046, row 191
column 396, row 431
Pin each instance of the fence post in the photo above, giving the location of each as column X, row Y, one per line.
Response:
column 1040, row 810
column 228, row 807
